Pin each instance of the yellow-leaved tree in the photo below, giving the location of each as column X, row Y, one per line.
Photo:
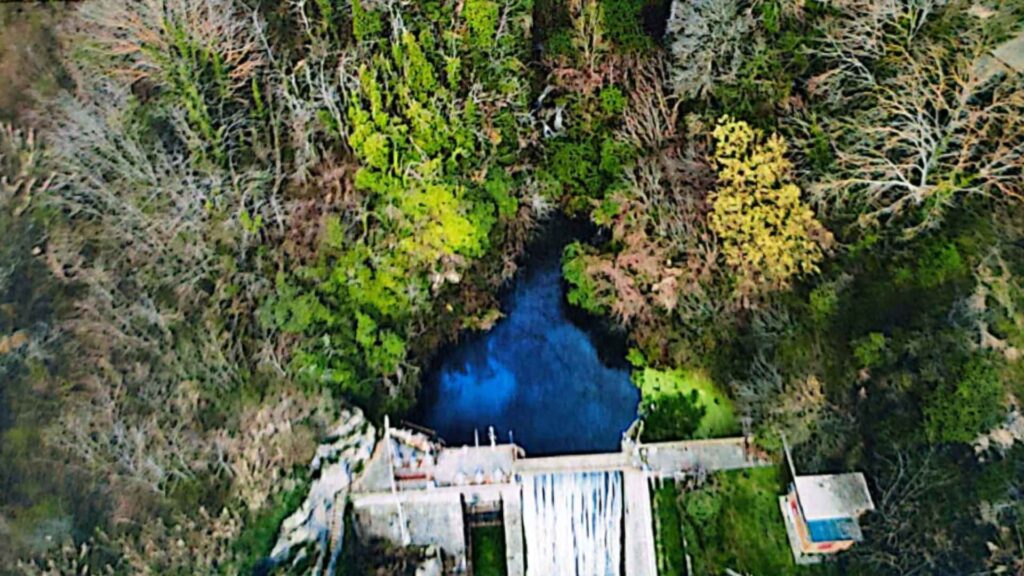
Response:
column 768, row 234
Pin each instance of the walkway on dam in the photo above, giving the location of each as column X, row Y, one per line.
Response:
column 662, row 459
column 573, row 463
column 639, row 538
column 669, row 459
column 479, row 466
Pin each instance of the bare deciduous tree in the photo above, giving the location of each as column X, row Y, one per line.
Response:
column 859, row 36
column 652, row 115
column 895, row 543
column 940, row 126
column 932, row 137
column 587, row 23
column 709, row 40
column 199, row 544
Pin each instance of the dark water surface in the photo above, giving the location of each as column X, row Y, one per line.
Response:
column 535, row 373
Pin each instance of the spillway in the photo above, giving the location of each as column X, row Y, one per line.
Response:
column 573, row 524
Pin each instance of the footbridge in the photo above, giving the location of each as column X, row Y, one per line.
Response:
column 416, row 491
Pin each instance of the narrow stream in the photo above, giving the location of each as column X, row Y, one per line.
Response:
column 535, row 374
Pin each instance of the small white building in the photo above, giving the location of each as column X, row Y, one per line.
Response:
column 822, row 514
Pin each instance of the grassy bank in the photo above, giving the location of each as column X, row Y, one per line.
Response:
column 670, row 396
column 489, row 551
column 669, row 530
column 732, row 522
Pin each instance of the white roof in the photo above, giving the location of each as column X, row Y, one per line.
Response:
column 827, row 496
column 473, row 461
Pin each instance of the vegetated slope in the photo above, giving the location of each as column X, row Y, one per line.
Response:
column 240, row 215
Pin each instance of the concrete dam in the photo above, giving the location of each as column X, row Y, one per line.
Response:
column 574, row 515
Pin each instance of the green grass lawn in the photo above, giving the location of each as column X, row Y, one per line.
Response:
column 489, row 551
column 720, row 416
column 668, row 523
column 732, row 522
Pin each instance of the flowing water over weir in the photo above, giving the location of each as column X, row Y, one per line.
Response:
column 573, row 524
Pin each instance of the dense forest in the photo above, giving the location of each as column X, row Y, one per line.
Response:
column 224, row 221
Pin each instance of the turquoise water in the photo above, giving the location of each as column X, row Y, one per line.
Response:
column 535, row 374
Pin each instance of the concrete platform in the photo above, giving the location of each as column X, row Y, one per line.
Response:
column 474, row 464
column 639, row 538
column 512, row 516
column 605, row 462
column 429, row 521
column 667, row 459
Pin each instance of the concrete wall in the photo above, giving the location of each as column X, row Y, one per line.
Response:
column 431, row 522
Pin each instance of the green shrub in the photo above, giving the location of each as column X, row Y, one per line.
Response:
column 605, row 212
column 482, row 18
column 499, row 186
column 823, row 302
column 366, row 24
column 560, row 44
column 940, row 264
column 672, row 417
column 959, row 411
column 613, row 101
column 582, row 289
column 870, row 350
column 669, row 535
column 636, row 358
column 615, row 155
column 624, row 26
column 575, row 166
column 427, row 118
column 703, row 506
column 260, row 530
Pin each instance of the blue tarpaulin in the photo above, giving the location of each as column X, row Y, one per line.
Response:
column 834, row 529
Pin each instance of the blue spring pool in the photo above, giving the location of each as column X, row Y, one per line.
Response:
column 535, row 374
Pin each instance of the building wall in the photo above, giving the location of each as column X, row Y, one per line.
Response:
column 807, row 546
column 434, row 522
